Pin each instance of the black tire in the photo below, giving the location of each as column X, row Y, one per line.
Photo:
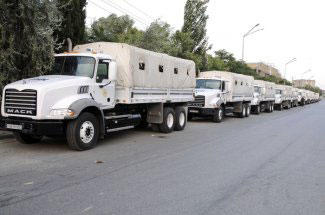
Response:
column 268, row 108
column 280, row 107
column 218, row 117
column 27, row 138
column 258, row 109
column 165, row 126
column 180, row 118
column 248, row 110
column 272, row 107
column 243, row 112
column 91, row 132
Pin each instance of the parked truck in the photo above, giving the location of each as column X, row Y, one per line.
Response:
column 302, row 97
column 283, row 97
column 218, row 93
column 294, row 96
column 264, row 97
column 99, row 88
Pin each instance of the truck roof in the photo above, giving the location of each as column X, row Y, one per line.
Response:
column 87, row 54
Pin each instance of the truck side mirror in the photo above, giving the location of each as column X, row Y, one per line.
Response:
column 112, row 71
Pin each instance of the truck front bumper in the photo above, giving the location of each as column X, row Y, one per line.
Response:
column 26, row 126
column 202, row 111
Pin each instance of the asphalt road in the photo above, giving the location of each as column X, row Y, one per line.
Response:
column 266, row 164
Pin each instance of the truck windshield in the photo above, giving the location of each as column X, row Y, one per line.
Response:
column 208, row 84
column 74, row 66
column 278, row 92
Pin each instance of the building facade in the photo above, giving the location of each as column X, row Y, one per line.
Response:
column 264, row 70
column 304, row 83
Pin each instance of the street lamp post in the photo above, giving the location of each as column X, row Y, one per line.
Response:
column 285, row 66
column 250, row 32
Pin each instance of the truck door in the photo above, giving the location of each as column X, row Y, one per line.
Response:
column 105, row 89
column 224, row 90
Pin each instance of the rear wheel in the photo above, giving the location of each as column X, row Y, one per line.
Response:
column 180, row 115
column 168, row 124
column 218, row 117
column 27, row 138
column 82, row 133
column 243, row 111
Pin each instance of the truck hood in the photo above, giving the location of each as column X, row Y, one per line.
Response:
column 47, row 81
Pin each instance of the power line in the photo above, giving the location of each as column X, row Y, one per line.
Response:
column 109, row 3
column 100, row 6
column 141, row 11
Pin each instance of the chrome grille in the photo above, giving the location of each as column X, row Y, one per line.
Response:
column 199, row 101
column 21, row 102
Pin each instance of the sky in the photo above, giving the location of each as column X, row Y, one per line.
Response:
column 291, row 29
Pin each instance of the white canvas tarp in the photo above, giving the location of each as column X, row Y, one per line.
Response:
column 175, row 73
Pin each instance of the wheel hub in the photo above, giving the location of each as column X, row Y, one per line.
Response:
column 170, row 120
column 181, row 119
column 87, row 132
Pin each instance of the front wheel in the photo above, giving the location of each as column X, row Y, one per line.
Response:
column 83, row 132
column 27, row 138
column 218, row 117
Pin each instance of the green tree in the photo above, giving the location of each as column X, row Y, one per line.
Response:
column 73, row 22
column 157, row 37
column 26, row 42
column 115, row 29
column 195, row 21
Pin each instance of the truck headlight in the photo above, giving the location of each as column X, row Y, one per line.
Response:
column 62, row 112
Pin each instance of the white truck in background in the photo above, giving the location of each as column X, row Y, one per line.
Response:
column 294, row 96
column 218, row 93
column 283, row 97
column 264, row 97
column 99, row 88
column 302, row 97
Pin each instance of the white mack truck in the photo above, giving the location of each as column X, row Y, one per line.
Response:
column 218, row 93
column 264, row 97
column 99, row 88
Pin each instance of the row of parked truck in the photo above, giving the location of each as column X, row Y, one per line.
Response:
column 219, row 93
column 99, row 88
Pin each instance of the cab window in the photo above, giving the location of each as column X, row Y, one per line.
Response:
column 102, row 71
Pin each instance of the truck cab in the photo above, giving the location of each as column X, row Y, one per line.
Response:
column 210, row 97
column 278, row 98
column 257, row 96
